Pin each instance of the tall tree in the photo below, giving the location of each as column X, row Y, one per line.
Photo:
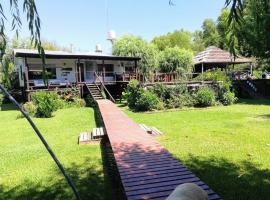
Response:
column 210, row 33
column 135, row 46
column 198, row 42
column 255, row 28
column 174, row 59
column 14, row 15
column 223, row 29
column 179, row 38
column 29, row 8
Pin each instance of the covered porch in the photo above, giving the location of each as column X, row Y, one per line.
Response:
column 65, row 69
column 214, row 57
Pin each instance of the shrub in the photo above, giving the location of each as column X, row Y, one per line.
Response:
column 79, row 102
column 171, row 103
column 60, row 103
column 186, row 100
column 217, row 75
column 132, row 93
column 160, row 106
column 46, row 102
column 147, row 101
column 162, row 91
column 205, row 96
column 30, row 108
column 69, row 94
column 228, row 98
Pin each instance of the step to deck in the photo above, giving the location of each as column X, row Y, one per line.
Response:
column 151, row 130
column 94, row 91
column 94, row 136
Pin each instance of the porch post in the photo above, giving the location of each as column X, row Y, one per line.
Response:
column 202, row 70
column 104, row 70
column 76, row 71
column 79, row 71
column 135, row 62
column 26, row 74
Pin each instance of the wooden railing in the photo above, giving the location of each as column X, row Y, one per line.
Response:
column 103, row 87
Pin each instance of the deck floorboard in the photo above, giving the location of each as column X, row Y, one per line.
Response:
column 146, row 169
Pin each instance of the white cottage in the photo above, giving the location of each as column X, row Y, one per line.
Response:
column 65, row 69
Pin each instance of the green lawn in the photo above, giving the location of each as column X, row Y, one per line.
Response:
column 227, row 147
column 28, row 172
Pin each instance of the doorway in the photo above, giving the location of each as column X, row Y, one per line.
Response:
column 80, row 72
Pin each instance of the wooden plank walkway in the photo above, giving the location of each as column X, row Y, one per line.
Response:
column 147, row 170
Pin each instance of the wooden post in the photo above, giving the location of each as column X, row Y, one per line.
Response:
column 76, row 72
column 26, row 73
column 135, row 65
column 104, row 70
column 79, row 71
column 202, row 72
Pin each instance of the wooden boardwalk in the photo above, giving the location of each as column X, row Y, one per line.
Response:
column 146, row 169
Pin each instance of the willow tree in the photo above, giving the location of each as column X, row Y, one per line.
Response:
column 234, row 20
column 12, row 15
column 135, row 46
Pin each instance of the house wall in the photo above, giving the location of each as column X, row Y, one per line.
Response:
column 66, row 68
column 20, row 69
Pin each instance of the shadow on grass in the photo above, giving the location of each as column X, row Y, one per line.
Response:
column 254, row 101
column 8, row 107
column 91, row 182
column 242, row 182
column 88, row 180
column 98, row 118
column 266, row 117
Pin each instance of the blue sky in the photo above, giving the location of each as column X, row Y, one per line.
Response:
column 84, row 23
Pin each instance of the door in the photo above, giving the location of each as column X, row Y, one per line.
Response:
column 89, row 71
column 80, row 72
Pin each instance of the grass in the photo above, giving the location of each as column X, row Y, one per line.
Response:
column 227, row 147
column 27, row 170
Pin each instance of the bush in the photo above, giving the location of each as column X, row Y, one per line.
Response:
column 46, row 102
column 228, row 98
column 147, row 101
column 30, row 108
column 69, row 94
column 162, row 91
column 205, row 96
column 79, row 102
column 132, row 93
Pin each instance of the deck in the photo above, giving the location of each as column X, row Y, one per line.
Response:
column 146, row 169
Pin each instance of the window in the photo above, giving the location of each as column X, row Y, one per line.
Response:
column 37, row 73
column 108, row 67
column 129, row 69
